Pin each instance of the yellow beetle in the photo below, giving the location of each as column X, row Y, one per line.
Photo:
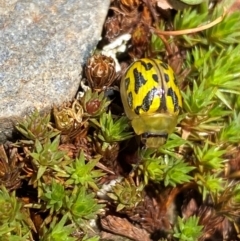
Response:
column 151, row 99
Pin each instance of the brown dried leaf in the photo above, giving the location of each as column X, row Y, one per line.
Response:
column 190, row 209
column 123, row 227
column 9, row 169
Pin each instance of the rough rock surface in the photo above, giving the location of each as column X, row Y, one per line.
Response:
column 44, row 44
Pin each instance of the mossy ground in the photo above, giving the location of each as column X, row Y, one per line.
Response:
column 83, row 162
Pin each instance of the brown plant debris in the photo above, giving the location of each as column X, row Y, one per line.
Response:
column 123, row 227
column 10, row 169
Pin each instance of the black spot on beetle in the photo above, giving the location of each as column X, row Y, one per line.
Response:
column 127, row 82
column 137, row 109
column 147, row 66
column 139, row 80
column 148, row 99
column 155, row 77
column 170, row 92
column 174, row 98
column 164, row 65
column 166, row 77
column 175, row 80
column 130, row 99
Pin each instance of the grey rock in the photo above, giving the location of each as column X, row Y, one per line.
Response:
column 43, row 46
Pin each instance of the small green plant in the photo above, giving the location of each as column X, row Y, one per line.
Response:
column 82, row 205
column 168, row 169
column 209, row 183
column 227, row 201
column 151, row 167
column 37, row 127
column 46, row 155
column 227, row 31
column 176, row 172
column 53, row 195
column 188, row 229
column 13, row 221
column 82, row 173
column 112, row 129
column 59, row 231
column 209, row 158
column 126, row 194
column 229, row 133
